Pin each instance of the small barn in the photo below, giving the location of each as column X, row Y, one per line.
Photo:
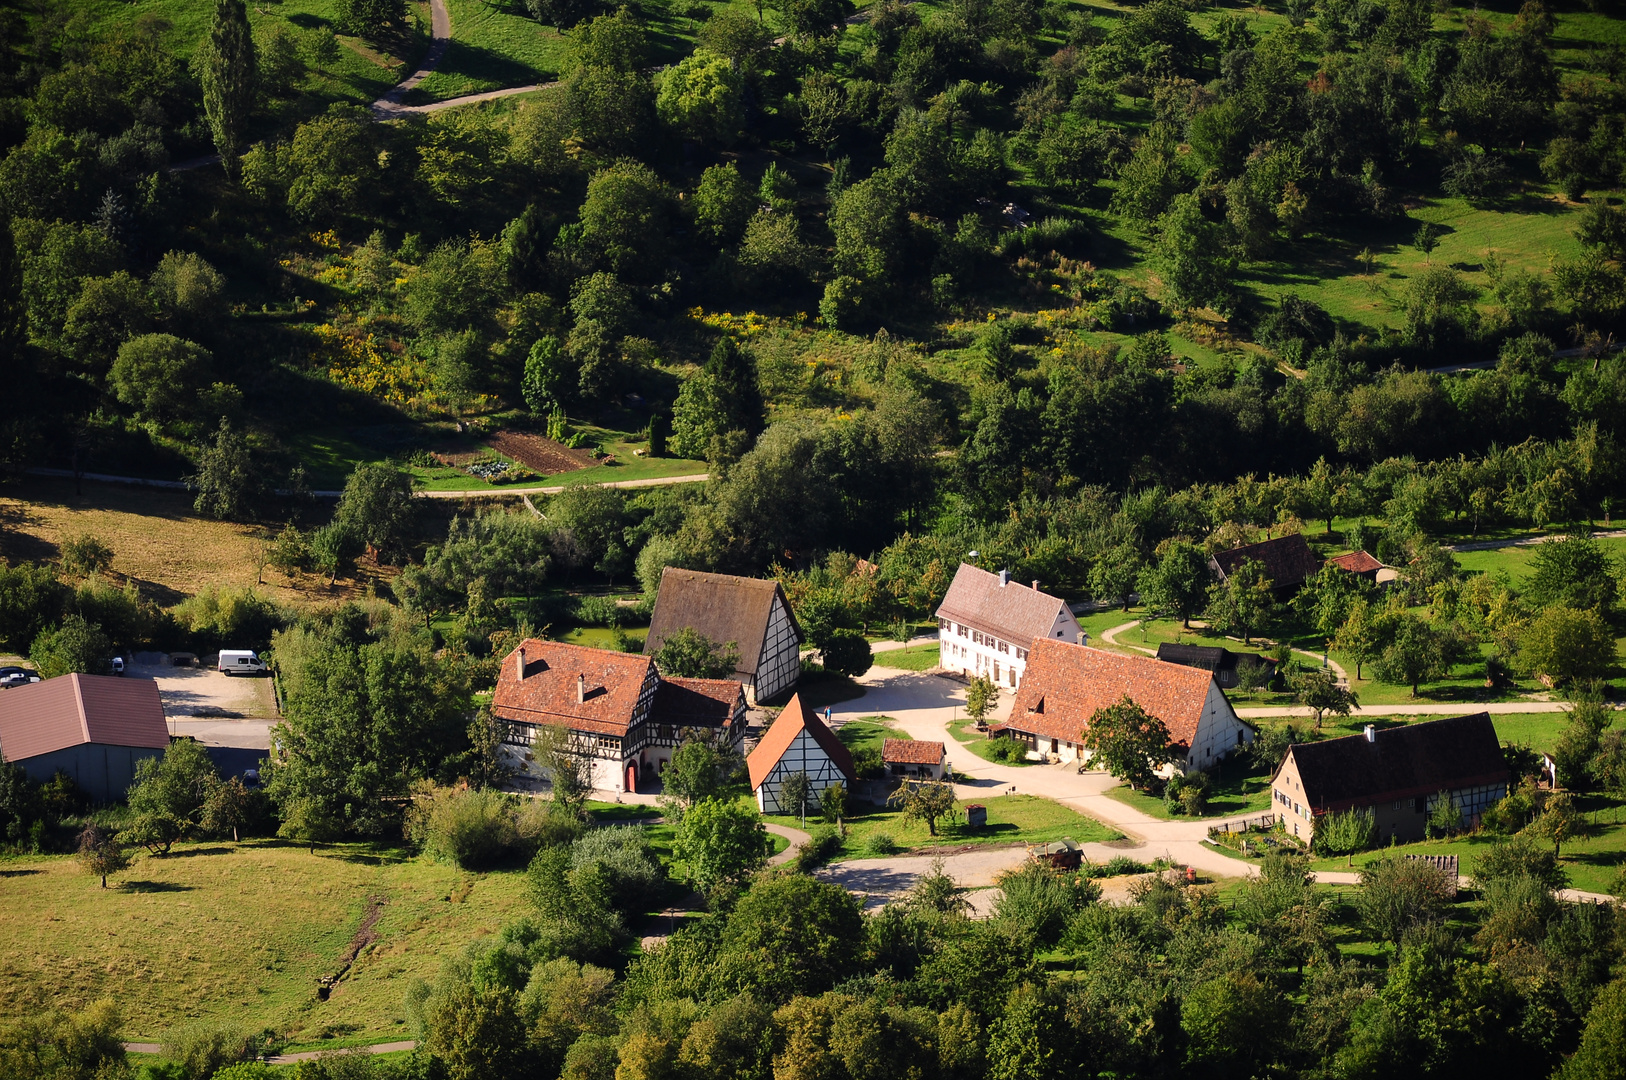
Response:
column 95, row 728
column 1226, row 665
column 1396, row 774
column 750, row 612
column 1288, row 561
column 798, row 741
column 914, row 758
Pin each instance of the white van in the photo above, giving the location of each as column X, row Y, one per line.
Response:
column 240, row 662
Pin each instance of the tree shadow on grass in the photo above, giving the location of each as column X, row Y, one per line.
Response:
column 154, row 886
column 19, row 873
column 482, row 65
column 187, row 853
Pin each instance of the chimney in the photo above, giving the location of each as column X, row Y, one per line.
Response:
column 1035, row 584
column 1371, row 734
column 519, row 663
column 581, row 688
column 1004, row 578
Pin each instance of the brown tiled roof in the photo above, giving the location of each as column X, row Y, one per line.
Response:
column 722, row 607
column 1065, row 684
column 1016, row 612
column 1357, row 562
column 1400, row 762
column 613, row 681
column 697, row 702
column 71, row 710
column 912, row 752
column 790, row 723
column 1288, row 560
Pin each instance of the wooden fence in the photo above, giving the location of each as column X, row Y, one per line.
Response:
column 1262, row 822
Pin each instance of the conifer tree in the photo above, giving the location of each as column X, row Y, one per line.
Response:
column 228, row 69
column 737, row 374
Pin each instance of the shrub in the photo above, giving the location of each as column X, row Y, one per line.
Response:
column 1041, row 900
column 1346, row 833
column 471, row 829
column 820, row 849
column 203, row 1048
column 631, row 869
column 230, row 618
column 880, row 843
column 1007, row 750
column 1116, row 866
column 599, row 611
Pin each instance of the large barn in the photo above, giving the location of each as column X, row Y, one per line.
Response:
column 623, row 717
column 751, row 613
column 1066, row 684
column 95, row 728
column 798, row 741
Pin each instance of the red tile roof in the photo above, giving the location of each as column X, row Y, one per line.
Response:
column 912, row 752
column 1357, row 562
column 792, row 720
column 1065, row 684
column 1013, row 611
column 71, row 710
column 698, row 702
column 1288, row 560
column 612, row 680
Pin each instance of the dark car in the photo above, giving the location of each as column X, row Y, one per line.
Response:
column 17, row 676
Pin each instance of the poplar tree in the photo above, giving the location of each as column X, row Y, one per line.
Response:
column 228, row 72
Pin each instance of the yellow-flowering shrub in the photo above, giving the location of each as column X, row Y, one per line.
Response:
column 360, row 363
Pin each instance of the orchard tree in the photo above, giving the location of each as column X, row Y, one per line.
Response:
column 1129, row 743
column 1114, row 574
column 981, row 696
column 101, row 853
column 1415, row 651
column 227, row 68
column 924, row 800
column 227, row 480
column 169, row 794
column 724, row 201
column 1177, row 583
column 847, row 652
column 699, row 769
column 1193, row 255
column 370, row 18
column 158, row 375
column 1358, row 637
column 1243, row 602
column 1574, row 571
column 548, row 377
column 377, row 507
column 1398, row 895
column 1319, row 688
column 796, row 792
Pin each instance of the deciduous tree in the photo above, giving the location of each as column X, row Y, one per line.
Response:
column 689, row 654
column 720, row 842
column 1128, row 742
column 924, row 800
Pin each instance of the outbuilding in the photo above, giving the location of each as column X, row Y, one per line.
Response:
column 95, row 728
column 797, row 742
column 1287, row 560
column 916, row 758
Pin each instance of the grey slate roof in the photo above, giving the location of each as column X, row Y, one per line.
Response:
column 1015, row 612
column 722, row 607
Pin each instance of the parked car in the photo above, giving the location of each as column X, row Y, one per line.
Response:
column 17, row 676
column 251, row 778
column 239, row 662
column 118, row 665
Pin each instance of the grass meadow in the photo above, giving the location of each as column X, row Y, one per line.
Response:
column 241, row 931
column 1026, row 819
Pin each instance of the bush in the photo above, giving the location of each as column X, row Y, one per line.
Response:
column 230, row 619
column 1117, row 866
column 1007, row 750
column 1040, row 900
column 600, row 611
column 203, row 1048
column 880, row 843
column 819, row 850
column 631, row 869
column 471, row 829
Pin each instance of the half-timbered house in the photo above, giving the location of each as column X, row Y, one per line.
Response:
column 1397, row 775
column 798, row 741
column 750, row 613
column 622, row 716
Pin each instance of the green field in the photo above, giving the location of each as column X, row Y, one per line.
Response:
column 1026, row 819
column 1518, row 562
column 241, row 932
column 493, row 46
column 869, row 732
column 914, row 658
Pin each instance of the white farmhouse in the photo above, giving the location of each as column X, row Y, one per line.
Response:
column 1067, row 683
column 750, row 613
column 798, row 741
column 987, row 623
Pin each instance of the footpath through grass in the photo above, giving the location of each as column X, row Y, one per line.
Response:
column 1025, row 819
column 494, row 46
column 242, row 932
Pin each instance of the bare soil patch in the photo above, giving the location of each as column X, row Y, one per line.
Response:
column 538, row 453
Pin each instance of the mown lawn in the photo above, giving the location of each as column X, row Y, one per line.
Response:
column 966, row 733
column 869, row 732
column 1235, row 788
column 914, row 658
column 241, row 932
column 493, row 46
column 1026, row 819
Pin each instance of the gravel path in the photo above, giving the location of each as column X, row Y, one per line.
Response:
column 1528, row 541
